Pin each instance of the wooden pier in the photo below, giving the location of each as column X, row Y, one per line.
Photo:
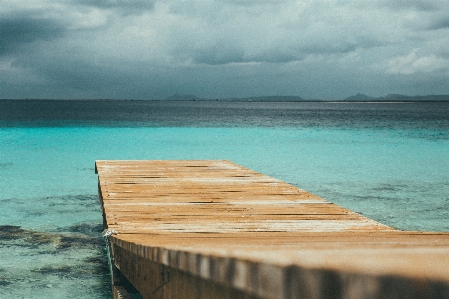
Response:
column 214, row 229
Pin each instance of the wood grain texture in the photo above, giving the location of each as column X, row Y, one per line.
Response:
column 219, row 222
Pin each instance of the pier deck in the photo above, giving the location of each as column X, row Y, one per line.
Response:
column 214, row 229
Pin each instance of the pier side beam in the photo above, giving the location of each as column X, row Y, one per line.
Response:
column 157, row 281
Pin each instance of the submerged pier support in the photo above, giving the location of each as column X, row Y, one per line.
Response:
column 214, row 229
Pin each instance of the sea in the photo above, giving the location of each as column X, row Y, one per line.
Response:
column 387, row 161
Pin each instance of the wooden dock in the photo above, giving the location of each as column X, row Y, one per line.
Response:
column 214, row 229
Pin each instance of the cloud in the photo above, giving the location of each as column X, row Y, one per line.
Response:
column 146, row 48
column 18, row 30
column 143, row 4
column 420, row 5
column 415, row 63
column 125, row 7
column 249, row 31
column 438, row 23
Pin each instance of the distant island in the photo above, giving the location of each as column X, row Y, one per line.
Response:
column 355, row 98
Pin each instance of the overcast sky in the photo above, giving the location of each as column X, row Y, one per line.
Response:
column 145, row 49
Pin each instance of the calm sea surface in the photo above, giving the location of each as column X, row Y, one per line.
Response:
column 388, row 161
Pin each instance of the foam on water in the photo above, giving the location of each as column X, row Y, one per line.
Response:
column 52, row 221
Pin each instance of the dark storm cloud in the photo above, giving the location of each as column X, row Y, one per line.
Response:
column 22, row 29
column 75, row 74
column 220, row 48
column 142, row 4
column 420, row 5
column 125, row 7
column 440, row 23
column 69, row 71
column 222, row 54
column 218, row 55
column 255, row 2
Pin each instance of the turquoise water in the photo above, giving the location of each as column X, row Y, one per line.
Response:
column 51, row 220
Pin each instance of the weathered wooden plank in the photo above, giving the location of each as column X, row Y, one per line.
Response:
column 220, row 230
column 217, row 195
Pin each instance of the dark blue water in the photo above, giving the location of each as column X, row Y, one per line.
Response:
column 223, row 114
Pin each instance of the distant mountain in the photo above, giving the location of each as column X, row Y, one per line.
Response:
column 359, row 97
column 355, row 98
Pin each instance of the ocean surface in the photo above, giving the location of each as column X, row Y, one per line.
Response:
column 387, row 161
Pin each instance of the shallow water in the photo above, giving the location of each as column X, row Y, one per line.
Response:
column 386, row 161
